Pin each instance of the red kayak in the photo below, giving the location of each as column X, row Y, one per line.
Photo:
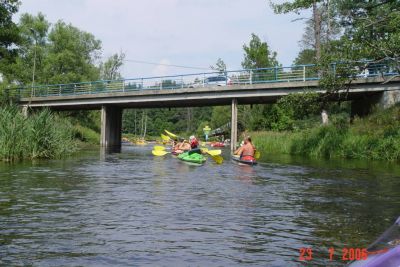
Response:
column 218, row 144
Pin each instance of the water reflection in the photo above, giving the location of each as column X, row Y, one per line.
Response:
column 130, row 208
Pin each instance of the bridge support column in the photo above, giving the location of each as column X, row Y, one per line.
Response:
column 111, row 124
column 234, row 125
column 363, row 106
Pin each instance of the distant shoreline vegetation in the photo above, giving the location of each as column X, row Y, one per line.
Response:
column 41, row 135
column 376, row 137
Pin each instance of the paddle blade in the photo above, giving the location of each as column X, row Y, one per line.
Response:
column 218, row 159
column 174, row 136
column 159, row 148
column 164, row 137
column 257, row 155
column 204, row 150
column 214, row 152
column 159, row 152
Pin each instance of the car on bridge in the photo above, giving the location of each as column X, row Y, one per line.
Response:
column 212, row 81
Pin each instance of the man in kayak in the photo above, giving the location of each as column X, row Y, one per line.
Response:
column 181, row 146
column 246, row 151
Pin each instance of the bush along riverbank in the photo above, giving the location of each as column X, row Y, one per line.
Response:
column 41, row 135
column 374, row 137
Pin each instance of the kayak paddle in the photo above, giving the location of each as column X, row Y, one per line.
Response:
column 257, row 154
column 165, row 138
column 159, row 152
column 173, row 136
column 214, row 152
column 159, row 148
column 211, row 152
column 217, row 158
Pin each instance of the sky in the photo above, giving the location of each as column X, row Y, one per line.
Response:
column 192, row 33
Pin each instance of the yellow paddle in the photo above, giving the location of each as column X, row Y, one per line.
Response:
column 173, row 136
column 257, row 154
column 218, row 159
column 215, row 154
column 159, row 152
column 159, row 148
column 165, row 138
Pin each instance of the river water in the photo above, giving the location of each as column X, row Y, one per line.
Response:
column 133, row 209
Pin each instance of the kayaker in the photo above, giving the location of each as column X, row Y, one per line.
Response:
column 184, row 145
column 194, row 145
column 181, row 146
column 246, row 151
column 193, row 142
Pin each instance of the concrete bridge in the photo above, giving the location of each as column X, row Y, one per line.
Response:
column 204, row 89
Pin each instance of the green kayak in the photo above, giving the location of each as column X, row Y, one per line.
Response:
column 192, row 158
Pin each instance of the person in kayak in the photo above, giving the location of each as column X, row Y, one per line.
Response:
column 193, row 142
column 194, row 145
column 181, row 146
column 247, row 150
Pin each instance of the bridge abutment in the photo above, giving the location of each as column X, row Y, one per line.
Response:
column 111, row 125
column 363, row 106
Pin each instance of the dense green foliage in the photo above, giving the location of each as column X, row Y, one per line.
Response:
column 41, row 135
column 180, row 120
column 371, row 30
column 258, row 54
column 375, row 137
column 9, row 34
column 61, row 53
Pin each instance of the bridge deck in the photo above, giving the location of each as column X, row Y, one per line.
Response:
column 213, row 95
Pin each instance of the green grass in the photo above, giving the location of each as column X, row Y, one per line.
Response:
column 86, row 134
column 41, row 135
column 375, row 137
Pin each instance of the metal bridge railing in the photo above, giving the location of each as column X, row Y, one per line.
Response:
column 278, row 74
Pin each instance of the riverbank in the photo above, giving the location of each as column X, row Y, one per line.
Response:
column 375, row 137
column 41, row 135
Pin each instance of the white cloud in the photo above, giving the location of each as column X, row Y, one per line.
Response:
column 186, row 32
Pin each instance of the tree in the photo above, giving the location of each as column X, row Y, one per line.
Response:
column 9, row 34
column 109, row 70
column 71, row 55
column 306, row 56
column 371, row 30
column 319, row 7
column 220, row 66
column 221, row 115
column 32, row 49
column 258, row 55
column 329, row 27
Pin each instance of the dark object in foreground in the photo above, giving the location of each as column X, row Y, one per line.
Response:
column 385, row 251
column 246, row 162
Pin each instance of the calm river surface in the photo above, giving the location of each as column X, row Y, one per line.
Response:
column 130, row 209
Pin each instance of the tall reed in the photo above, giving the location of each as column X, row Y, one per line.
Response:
column 40, row 135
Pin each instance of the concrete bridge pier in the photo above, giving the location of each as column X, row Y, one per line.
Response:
column 364, row 106
column 234, row 125
column 111, row 125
